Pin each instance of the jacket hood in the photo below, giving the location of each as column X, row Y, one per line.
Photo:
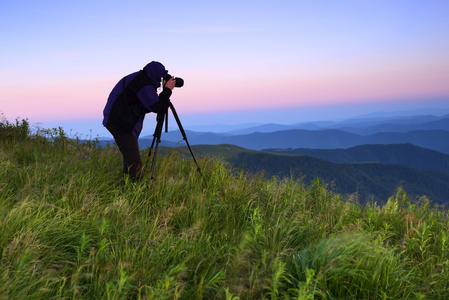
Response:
column 155, row 70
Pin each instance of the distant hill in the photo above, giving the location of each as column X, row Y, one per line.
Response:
column 315, row 139
column 412, row 125
column 272, row 127
column 363, row 125
column 402, row 154
column 368, row 180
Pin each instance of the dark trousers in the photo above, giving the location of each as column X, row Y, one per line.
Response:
column 129, row 147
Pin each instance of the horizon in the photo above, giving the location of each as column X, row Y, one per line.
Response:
column 242, row 62
column 211, row 124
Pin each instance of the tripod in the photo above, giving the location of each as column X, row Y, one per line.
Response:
column 157, row 136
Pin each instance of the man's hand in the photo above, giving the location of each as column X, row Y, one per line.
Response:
column 170, row 83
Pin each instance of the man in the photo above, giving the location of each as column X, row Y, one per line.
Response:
column 124, row 112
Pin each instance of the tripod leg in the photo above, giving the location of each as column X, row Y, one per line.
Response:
column 151, row 151
column 184, row 136
column 157, row 139
column 154, row 158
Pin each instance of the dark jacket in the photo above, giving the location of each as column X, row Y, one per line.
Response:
column 147, row 96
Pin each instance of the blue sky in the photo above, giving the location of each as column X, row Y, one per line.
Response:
column 242, row 61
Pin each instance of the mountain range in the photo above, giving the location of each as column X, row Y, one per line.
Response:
column 430, row 132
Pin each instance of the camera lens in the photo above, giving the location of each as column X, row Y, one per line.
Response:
column 179, row 82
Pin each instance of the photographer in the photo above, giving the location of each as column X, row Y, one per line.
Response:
column 131, row 98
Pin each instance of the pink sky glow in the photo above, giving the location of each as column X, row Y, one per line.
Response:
column 59, row 61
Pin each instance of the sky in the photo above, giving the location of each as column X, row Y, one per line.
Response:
column 242, row 61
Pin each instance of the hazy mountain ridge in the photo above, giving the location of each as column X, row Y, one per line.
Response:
column 440, row 124
column 350, row 124
column 316, row 139
column 424, row 131
column 402, row 154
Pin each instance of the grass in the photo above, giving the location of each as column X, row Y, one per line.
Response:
column 72, row 227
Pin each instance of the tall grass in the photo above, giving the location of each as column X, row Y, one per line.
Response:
column 72, row 227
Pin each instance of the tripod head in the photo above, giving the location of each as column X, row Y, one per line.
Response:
column 158, row 132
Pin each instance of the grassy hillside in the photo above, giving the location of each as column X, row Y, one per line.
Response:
column 72, row 227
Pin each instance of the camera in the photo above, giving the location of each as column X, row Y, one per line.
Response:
column 179, row 82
